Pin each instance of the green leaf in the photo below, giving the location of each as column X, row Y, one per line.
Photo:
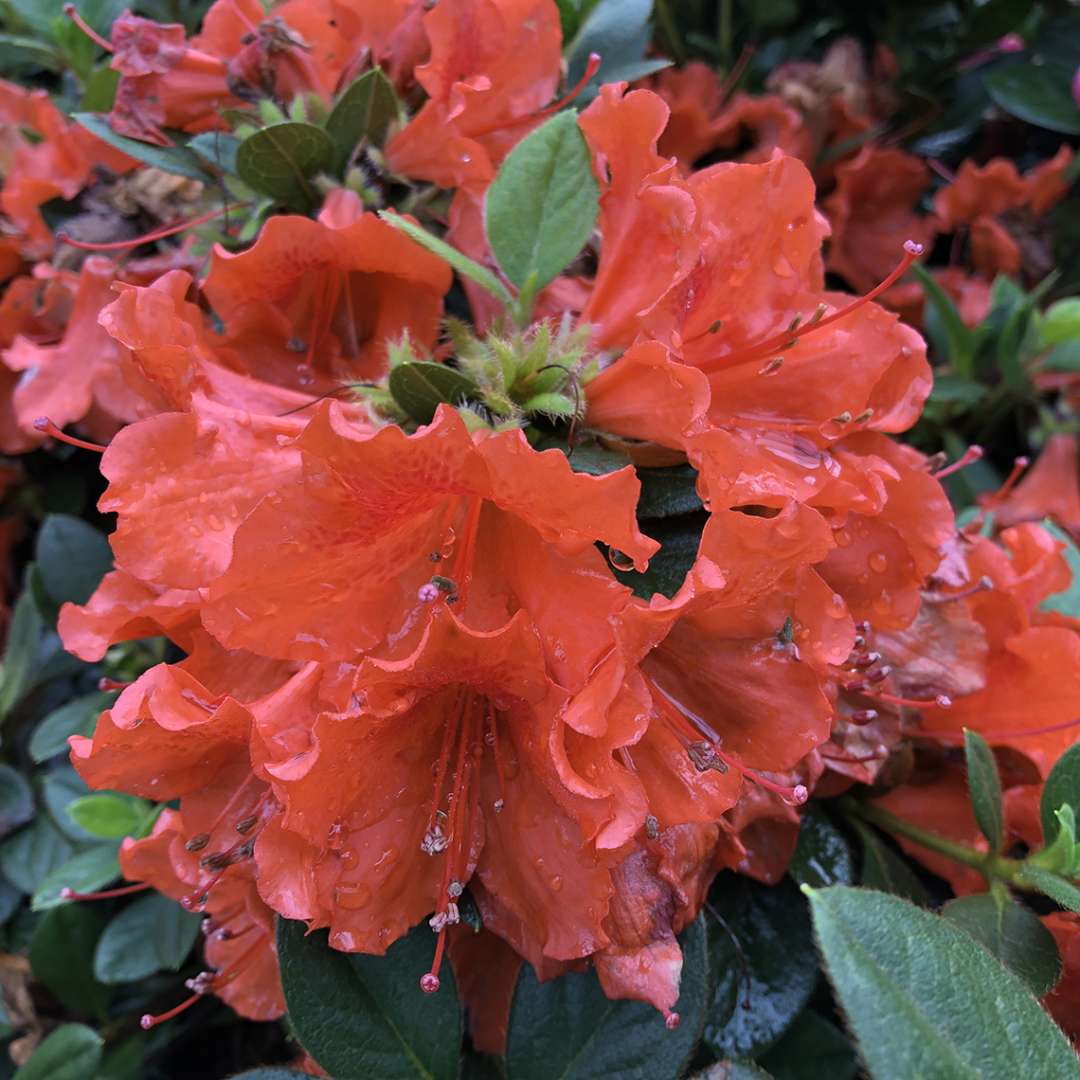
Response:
column 953, row 390
column 951, row 338
column 1039, row 94
column 887, row 871
column 72, row 557
column 71, row 1052
column 984, row 785
column 280, row 159
column 78, row 717
column 152, row 934
column 568, row 1029
column 420, row 387
column 63, row 785
column 619, row 31
column 822, row 856
column 1049, row 884
column 763, row 953
column 366, row 1016
column 1061, row 322
column 1062, row 788
column 679, row 540
column 365, row 111
column 466, row 267
column 218, row 148
column 27, row 857
column 85, row 872
column 108, row 816
column 1012, row 933
column 923, row 999
column 1063, row 357
column 591, row 458
column 26, row 55
column 542, row 205
column 62, row 952
column 667, row 492
column 23, row 636
column 16, row 800
column 99, row 90
column 171, row 159
column 812, row 1048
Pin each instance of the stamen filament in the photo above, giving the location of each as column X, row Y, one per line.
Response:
column 786, row 338
column 969, row 457
column 107, row 894
column 86, row 28
column 151, row 237
column 44, row 424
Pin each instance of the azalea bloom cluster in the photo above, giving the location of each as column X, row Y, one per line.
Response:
column 416, row 684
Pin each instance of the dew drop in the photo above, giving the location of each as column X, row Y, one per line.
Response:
column 842, row 538
column 352, row 897
column 619, row 561
column 555, row 883
column 836, row 606
column 879, row 562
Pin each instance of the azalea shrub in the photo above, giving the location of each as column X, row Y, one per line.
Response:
column 539, row 539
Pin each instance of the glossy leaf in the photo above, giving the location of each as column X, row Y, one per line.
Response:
column 885, row 870
column 20, row 652
column 420, row 387
column 71, row 1052
column 542, row 205
column 108, row 816
column 668, row 492
column 1062, row 788
column 72, row 557
column 62, row 954
column 765, row 980
column 1061, row 322
column 16, row 800
column 924, row 999
column 366, row 1016
column 78, row 717
column 171, row 159
column 822, row 855
column 151, row 934
column 280, row 159
column 619, row 32
column 218, row 148
column 63, row 786
column 679, row 540
column 364, row 111
column 28, row 856
column 1012, row 933
column 812, row 1048
column 1039, row 94
column 84, row 872
column 984, row 786
column 568, row 1029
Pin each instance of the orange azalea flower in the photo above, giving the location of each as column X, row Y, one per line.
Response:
column 318, row 301
column 437, row 517
column 738, row 290
column 1000, row 207
column 494, row 65
column 703, row 120
column 871, row 214
column 164, row 81
column 80, row 378
column 1031, row 697
column 1051, row 488
column 240, row 947
column 59, row 163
